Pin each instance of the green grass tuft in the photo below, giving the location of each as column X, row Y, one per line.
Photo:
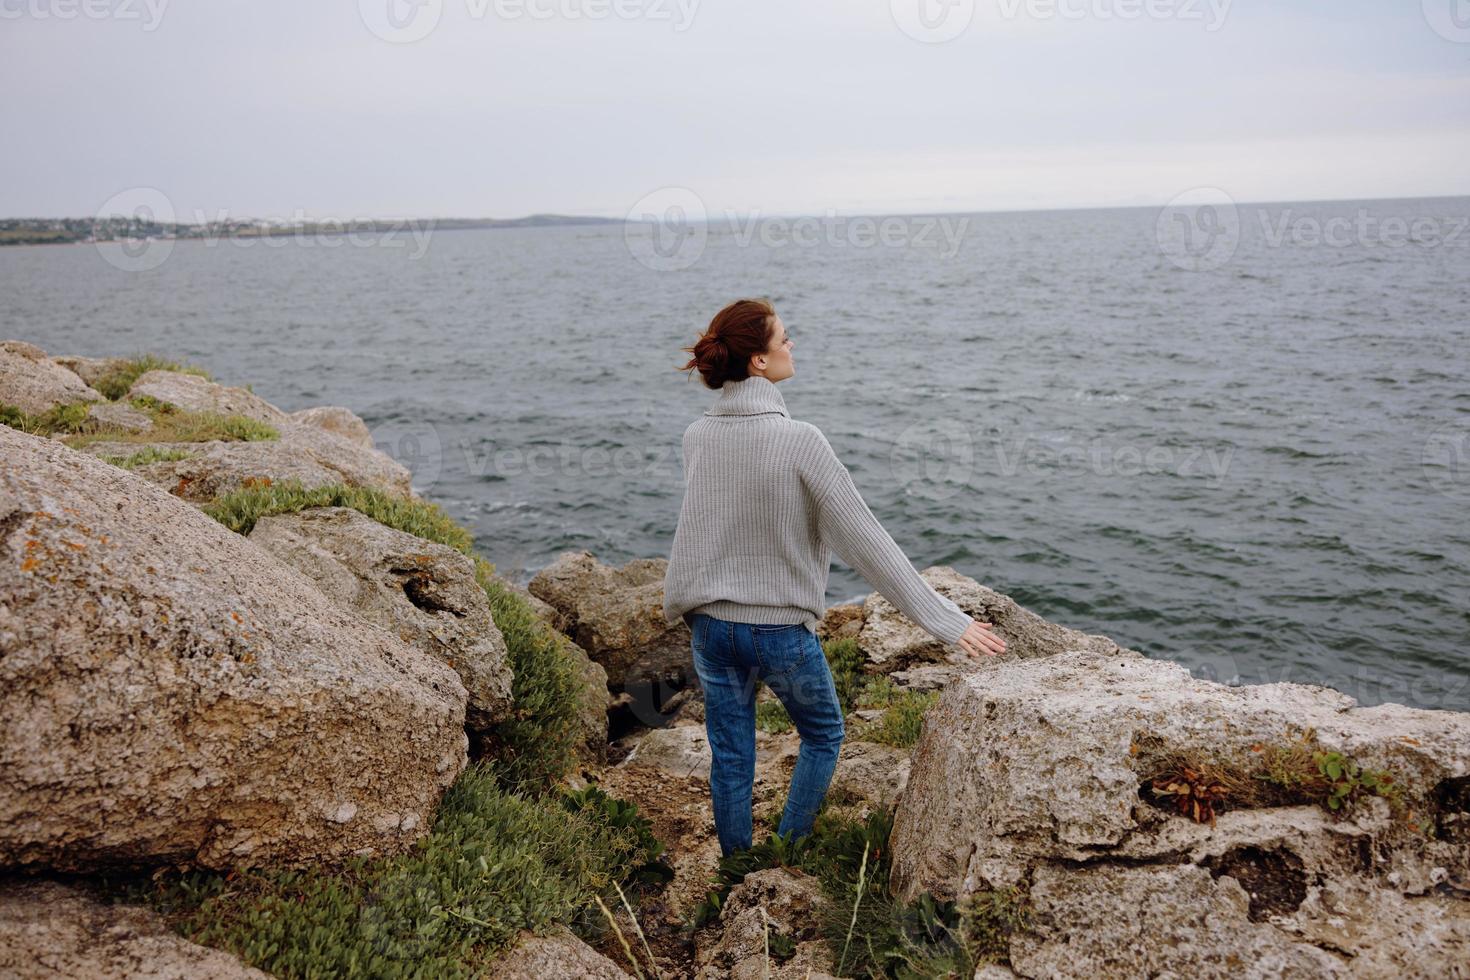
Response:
column 118, row 379
column 59, row 419
column 846, row 661
column 494, row 863
column 903, row 714
column 538, row 743
column 240, row 509
column 153, row 454
column 771, row 717
column 873, row 932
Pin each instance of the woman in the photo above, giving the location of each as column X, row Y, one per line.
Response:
column 765, row 498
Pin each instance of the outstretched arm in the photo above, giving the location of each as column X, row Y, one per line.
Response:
column 848, row 526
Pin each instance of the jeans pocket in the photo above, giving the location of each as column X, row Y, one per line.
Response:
column 782, row 649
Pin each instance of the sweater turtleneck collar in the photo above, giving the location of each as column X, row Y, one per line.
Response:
column 753, row 395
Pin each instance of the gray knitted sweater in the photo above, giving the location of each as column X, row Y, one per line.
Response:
column 765, row 498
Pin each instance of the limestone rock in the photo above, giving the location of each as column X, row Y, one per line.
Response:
column 49, row 930
column 870, row 771
column 841, row 622
column 336, row 420
column 679, row 750
column 616, row 615
column 560, row 956
column 33, row 383
column 784, row 902
column 197, row 394
column 423, row 593
column 315, row 457
column 1172, row 920
column 119, row 415
column 171, row 693
column 1038, row 768
column 90, row 369
column 1045, row 758
column 894, row 643
column 682, row 750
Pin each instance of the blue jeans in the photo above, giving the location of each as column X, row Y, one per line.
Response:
column 729, row 658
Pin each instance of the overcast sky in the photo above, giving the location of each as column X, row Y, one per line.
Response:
column 272, row 108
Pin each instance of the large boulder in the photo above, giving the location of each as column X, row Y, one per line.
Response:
column 90, row 369
column 424, row 593
column 119, row 416
column 337, row 420
column 33, row 383
column 306, row 454
column 1038, row 773
column 50, row 930
column 198, row 394
column 616, row 615
column 560, row 955
column 172, row 693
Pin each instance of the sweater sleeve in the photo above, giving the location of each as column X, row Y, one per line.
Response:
column 847, row 524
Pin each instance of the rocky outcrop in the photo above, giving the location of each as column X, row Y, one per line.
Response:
column 33, row 383
column 841, row 622
column 336, row 420
column 561, row 956
column 870, row 772
column 616, row 615
column 1175, row 920
column 172, row 693
column 306, row 454
column 198, row 394
column 895, row 645
column 90, row 369
column 119, row 416
column 764, row 909
column 49, row 930
column 1032, row 774
column 423, row 593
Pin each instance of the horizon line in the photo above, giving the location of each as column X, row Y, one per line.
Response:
column 829, row 212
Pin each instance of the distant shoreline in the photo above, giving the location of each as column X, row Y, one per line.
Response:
column 82, row 231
